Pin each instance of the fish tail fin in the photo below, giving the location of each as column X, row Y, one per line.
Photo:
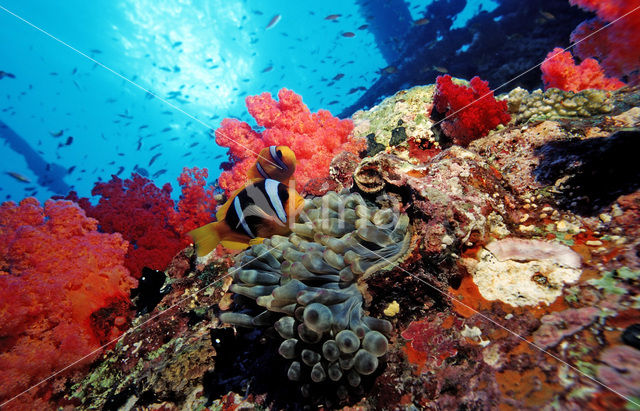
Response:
column 205, row 238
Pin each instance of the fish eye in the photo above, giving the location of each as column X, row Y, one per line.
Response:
column 279, row 153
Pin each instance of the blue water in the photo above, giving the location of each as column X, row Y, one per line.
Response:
column 201, row 57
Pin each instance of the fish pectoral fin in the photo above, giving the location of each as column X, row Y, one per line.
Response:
column 254, row 210
column 205, row 238
column 257, row 240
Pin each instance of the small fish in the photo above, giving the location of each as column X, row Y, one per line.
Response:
column 56, row 133
column 95, row 51
column 348, row 34
column 260, row 209
column 389, row 69
column 70, row 169
column 4, row 74
column 69, row 141
column 274, row 20
column 18, row 177
column 176, row 44
column 333, row 102
column 355, row 89
column 120, row 170
column 440, row 69
column 159, row 173
column 333, row 17
column 267, row 69
column 547, row 15
column 421, row 22
column 274, row 162
column 192, row 145
column 338, row 76
column 154, row 158
column 155, row 146
column 164, row 130
column 364, row 26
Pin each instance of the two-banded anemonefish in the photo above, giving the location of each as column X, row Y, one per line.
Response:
column 260, row 209
column 263, row 207
column 275, row 162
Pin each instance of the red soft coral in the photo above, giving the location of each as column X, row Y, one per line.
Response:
column 617, row 47
column 315, row 138
column 559, row 70
column 197, row 202
column 470, row 112
column 57, row 271
column 146, row 215
column 142, row 213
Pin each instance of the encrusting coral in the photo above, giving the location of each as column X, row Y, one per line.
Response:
column 553, row 102
column 307, row 286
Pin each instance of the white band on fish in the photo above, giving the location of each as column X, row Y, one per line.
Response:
column 276, row 158
column 238, row 208
column 261, row 170
column 271, row 186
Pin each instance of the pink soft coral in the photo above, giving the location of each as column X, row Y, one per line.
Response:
column 58, row 277
column 315, row 138
column 470, row 112
column 617, row 47
column 559, row 70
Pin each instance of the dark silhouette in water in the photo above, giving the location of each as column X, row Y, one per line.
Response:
column 50, row 175
column 389, row 21
column 496, row 46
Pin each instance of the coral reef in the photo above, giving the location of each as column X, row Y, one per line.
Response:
column 315, row 138
column 63, row 293
column 560, row 71
column 553, row 203
column 308, row 284
column 523, row 272
column 405, row 113
column 469, row 112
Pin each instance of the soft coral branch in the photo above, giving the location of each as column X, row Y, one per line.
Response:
column 315, row 138
column 559, row 70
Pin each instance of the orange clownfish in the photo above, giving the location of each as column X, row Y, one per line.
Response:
column 260, row 209
column 274, row 162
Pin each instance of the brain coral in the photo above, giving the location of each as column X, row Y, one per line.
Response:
column 306, row 286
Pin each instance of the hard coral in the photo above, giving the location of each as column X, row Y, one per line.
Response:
column 63, row 290
column 618, row 46
column 305, row 285
column 559, row 70
column 470, row 112
column 315, row 138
